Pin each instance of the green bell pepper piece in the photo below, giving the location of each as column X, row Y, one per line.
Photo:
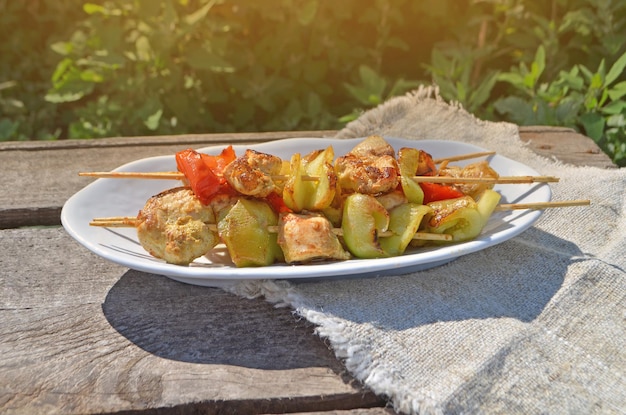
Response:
column 363, row 219
column 244, row 231
column 404, row 221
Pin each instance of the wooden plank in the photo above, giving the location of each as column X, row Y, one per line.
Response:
column 82, row 335
column 47, row 172
column 566, row 145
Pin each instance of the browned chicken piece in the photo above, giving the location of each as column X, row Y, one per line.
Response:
column 478, row 169
column 173, row 226
column 392, row 199
column 373, row 146
column 425, row 165
column 251, row 174
column 221, row 204
column 369, row 168
column 307, row 237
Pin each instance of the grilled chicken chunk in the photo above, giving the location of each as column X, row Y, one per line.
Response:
column 369, row 168
column 478, row 169
column 308, row 236
column 173, row 226
column 251, row 174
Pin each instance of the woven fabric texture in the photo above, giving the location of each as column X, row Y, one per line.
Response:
column 536, row 324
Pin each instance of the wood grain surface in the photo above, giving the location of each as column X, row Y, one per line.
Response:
column 79, row 334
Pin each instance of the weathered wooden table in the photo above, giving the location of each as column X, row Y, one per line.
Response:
column 79, row 334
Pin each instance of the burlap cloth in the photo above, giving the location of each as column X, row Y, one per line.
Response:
column 536, row 324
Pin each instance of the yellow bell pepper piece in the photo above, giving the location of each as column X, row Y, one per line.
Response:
column 314, row 195
column 408, row 161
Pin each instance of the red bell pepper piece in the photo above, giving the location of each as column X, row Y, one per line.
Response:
column 202, row 180
column 434, row 192
column 277, row 203
column 218, row 163
column 204, row 172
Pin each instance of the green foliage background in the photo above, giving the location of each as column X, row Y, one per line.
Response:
column 78, row 69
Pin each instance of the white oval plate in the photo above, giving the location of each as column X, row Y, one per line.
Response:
column 125, row 197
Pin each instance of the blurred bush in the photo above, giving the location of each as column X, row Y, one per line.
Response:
column 78, row 69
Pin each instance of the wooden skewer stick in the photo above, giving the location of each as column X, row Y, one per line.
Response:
column 486, row 180
column 542, row 205
column 159, row 175
column 464, row 157
column 169, row 175
column 131, row 222
column 419, row 179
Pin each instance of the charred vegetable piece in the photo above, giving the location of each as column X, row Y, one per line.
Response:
column 363, row 219
column 307, row 237
column 404, row 221
column 293, row 197
column 317, row 194
column 434, row 192
column 478, row 169
column 203, row 172
column 203, row 181
column 277, row 203
column 408, row 162
column 392, row 199
column 244, row 230
column 218, row 163
column 173, row 226
column 463, row 218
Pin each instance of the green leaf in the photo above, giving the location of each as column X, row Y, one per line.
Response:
column 402, row 86
column 461, row 93
column 62, row 68
column 512, row 78
column 314, row 105
column 615, row 107
column 616, row 70
column 618, row 91
column 144, row 51
column 515, row 107
column 307, row 13
column 596, row 81
column 152, row 121
column 91, row 8
column 62, row 48
column 201, row 59
column 586, row 72
column 7, row 84
column 193, row 18
column 593, row 123
column 69, row 94
column 540, row 61
column 90, row 75
column 372, row 80
column 482, row 93
column 151, row 112
column 8, row 129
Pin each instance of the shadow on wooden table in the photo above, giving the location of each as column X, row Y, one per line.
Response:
column 207, row 325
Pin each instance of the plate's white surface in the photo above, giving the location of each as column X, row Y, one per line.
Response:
column 125, row 197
